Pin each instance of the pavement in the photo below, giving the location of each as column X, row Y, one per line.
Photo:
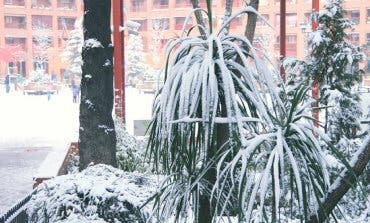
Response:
column 30, row 129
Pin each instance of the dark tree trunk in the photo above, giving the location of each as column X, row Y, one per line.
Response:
column 252, row 20
column 97, row 140
column 227, row 14
column 198, row 16
column 341, row 186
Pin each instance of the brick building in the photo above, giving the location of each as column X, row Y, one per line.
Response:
column 172, row 13
column 34, row 33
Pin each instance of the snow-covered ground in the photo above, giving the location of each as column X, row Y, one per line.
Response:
column 31, row 127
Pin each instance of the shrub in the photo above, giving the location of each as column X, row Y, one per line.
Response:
column 98, row 193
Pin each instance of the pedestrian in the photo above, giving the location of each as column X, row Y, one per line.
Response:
column 75, row 92
column 49, row 88
column 7, row 83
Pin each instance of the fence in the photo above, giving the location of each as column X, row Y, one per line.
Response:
column 17, row 214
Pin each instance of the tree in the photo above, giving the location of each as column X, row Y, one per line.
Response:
column 41, row 43
column 72, row 52
column 135, row 57
column 334, row 63
column 97, row 137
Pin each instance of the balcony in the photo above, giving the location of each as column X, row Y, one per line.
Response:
column 15, row 22
column 160, row 4
column 65, row 23
column 66, row 4
column 16, row 3
column 138, row 5
column 42, row 22
column 179, row 23
column 183, row 4
column 41, row 4
column 19, row 42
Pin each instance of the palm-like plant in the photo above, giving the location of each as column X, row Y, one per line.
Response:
column 217, row 86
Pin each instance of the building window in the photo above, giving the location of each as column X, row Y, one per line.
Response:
column 291, row 19
column 15, row 22
column 307, row 18
column 66, row 4
column 183, row 3
column 354, row 38
column 291, row 44
column 14, row 3
column 16, row 41
column 41, row 4
column 288, row 1
column 261, row 22
column 65, row 23
column 367, row 15
column 138, row 5
column 160, row 4
column 42, row 22
column 354, row 15
column 143, row 24
column 160, row 24
column 368, row 37
column 180, row 22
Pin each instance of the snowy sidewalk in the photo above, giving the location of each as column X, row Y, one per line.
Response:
column 32, row 129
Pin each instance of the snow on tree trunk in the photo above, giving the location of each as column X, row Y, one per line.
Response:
column 97, row 137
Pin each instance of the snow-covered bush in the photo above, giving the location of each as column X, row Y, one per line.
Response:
column 334, row 63
column 97, row 193
column 72, row 52
column 233, row 140
column 130, row 150
column 344, row 112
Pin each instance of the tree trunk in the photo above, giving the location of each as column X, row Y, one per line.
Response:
column 343, row 183
column 198, row 16
column 97, row 140
column 252, row 20
column 227, row 14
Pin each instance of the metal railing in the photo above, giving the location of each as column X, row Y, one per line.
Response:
column 18, row 213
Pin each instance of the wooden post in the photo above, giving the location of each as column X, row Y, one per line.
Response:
column 316, row 85
column 118, row 57
column 282, row 37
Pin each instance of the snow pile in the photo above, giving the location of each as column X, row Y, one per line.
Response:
column 98, row 193
column 130, row 150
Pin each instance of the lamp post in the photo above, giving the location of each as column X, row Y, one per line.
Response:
column 315, row 85
column 118, row 57
column 282, row 37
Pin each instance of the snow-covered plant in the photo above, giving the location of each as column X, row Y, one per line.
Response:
column 72, row 52
column 41, row 42
column 334, row 63
column 229, row 140
column 130, row 150
column 135, row 57
column 343, row 116
column 97, row 194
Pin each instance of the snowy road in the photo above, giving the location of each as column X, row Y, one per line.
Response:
column 29, row 126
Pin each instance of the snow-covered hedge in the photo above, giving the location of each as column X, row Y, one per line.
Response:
column 99, row 193
column 130, row 150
